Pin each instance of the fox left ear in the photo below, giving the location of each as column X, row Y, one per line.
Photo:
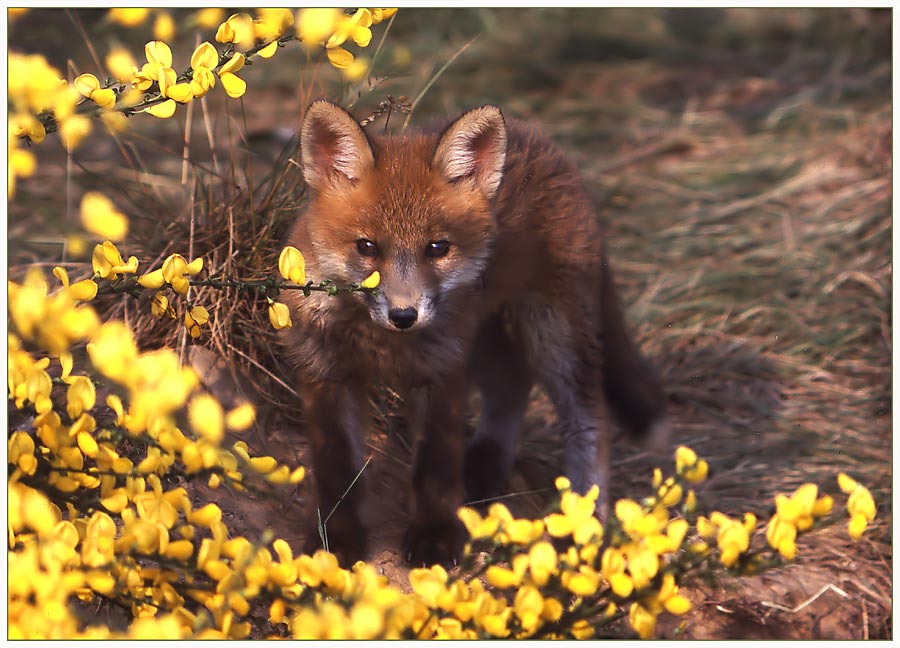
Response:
column 333, row 146
column 474, row 147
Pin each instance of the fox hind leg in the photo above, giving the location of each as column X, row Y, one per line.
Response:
column 567, row 363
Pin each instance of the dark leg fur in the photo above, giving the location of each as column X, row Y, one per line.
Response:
column 437, row 415
column 504, row 379
column 335, row 418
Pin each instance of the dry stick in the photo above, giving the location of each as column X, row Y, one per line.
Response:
column 321, row 526
column 375, row 55
column 184, row 330
column 811, row 599
column 209, row 136
column 80, row 27
column 312, row 82
column 435, row 78
column 248, row 168
column 189, row 118
column 256, row 364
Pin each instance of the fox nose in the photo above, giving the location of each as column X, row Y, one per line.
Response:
column 403, row 318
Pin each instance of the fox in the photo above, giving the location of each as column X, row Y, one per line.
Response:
column 493, row 276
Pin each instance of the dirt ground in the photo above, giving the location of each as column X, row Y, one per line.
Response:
column 742, row 162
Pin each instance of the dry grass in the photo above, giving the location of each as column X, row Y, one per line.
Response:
column 749, row 212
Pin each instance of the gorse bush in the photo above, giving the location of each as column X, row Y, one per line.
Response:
column 104, row 438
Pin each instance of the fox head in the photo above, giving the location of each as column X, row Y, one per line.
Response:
column 415, row 208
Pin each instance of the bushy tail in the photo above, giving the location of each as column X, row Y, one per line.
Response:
column 631, row 384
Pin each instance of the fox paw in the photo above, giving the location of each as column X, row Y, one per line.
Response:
column 434, row 542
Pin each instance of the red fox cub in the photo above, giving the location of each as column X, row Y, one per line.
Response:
column 493, row 274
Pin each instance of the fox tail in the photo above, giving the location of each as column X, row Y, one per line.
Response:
column 632, row 386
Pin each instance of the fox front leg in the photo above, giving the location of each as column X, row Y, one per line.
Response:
column 336, row 416
column 436, row 414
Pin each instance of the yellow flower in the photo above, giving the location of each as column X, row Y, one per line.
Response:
column 371, row 281
column 642, row 620
column 195, row 319
column 429, row 583
column 357, row 70
column 528, row 605
column 129, row 17
column 502, row 577
column 100, row 217
column 164, row 26
column 207, row 418
column 25, row 125
column 233, row 84
column 733, row 538
column 689, row 466
column 108, row 264
column 158, row 53
column 159, row 305
column 20, row 449
column 315, row 26
column 292, row 265
column 208, row 18
column 163, row 110
column 543, row 562
column 113, row 350
column 21, row 163
column 203, row 61
column 382, row 14
column 479, row 528
column 781, row 536
column 339, row 57
column 173, row 270
column 861, row 503
column 81, row 396
column 73, row 130
column 279, row 315
column 355, row 27
column 241, row 417
column 584, row 582
column 121, row 64
column 237, row 29
column 670, row 493
column 643, row 564
column 84, row 290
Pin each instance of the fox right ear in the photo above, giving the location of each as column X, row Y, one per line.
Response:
column 473, row 148
column 333, row 146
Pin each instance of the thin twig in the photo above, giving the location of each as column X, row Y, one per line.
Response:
column 811, row 599
column 435, row 78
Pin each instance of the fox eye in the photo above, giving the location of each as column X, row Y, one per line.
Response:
column 366, row 247
column 437, row 249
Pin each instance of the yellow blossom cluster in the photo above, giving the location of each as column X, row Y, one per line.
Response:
column 40, row 100
column 89, row 515
column 181, row 574
column 860, row 504
column 332, row 28
column 34, row 89
column 793, row 515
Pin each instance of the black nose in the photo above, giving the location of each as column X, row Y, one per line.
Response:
column 403, row 318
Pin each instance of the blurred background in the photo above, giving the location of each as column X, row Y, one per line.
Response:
column 741, row 159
